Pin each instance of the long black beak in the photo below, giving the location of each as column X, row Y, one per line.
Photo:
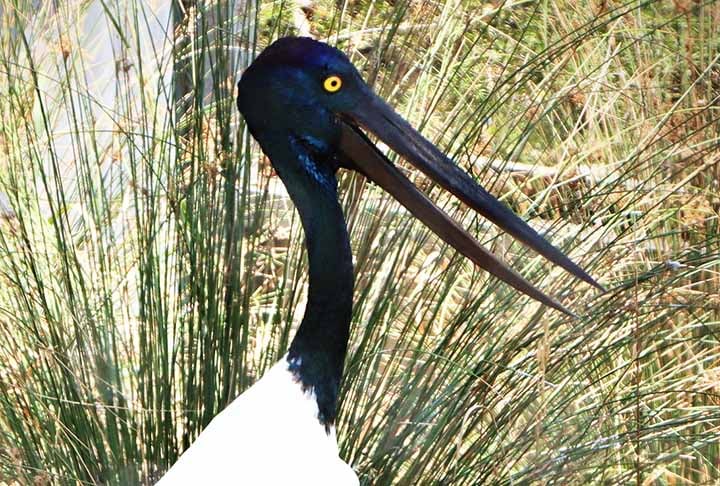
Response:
column 360, row 154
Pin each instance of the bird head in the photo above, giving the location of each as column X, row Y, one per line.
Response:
column 300, row 86
column 309, row 93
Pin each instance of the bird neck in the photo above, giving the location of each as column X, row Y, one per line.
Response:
column 317, row 352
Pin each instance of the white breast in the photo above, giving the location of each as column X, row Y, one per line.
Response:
column 269, row 435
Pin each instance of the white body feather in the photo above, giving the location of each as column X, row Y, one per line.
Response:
column 270, row 435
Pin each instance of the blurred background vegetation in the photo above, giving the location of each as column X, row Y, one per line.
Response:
column 151, row 266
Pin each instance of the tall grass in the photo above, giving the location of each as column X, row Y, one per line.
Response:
column 152, row 268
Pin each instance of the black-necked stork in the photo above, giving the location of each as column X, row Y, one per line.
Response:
column 307, row 106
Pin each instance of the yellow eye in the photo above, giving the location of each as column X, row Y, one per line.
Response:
column 332, row 83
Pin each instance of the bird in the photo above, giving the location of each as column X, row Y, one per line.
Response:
column 312, row 114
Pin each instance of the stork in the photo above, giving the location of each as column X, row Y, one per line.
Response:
column 309, row 109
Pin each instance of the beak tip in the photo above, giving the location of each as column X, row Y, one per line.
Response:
column 596, row 284
column 581, row 274
column 558, row 306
